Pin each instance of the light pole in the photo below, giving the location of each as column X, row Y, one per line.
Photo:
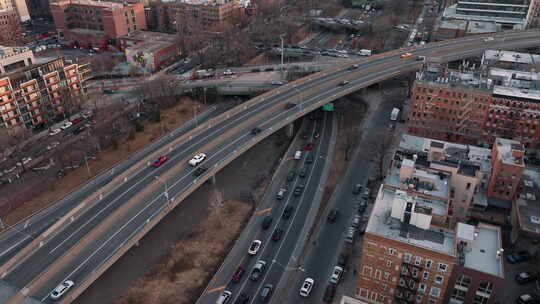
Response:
column 87, row 167
column 166, row 193
column 281, row 37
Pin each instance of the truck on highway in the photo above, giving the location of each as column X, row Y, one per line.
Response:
column 202, row 74
column 395, row 114
column 298, row 155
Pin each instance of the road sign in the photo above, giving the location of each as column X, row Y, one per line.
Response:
column 328, row 107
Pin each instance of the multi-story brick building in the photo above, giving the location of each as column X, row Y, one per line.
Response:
column 18, row 6
column 526, row 209
column 150, row 50
column 89, row 23
column 507, row 168
column 416, row 247
column 195, row 15
column 474, row 107
column 34, row 94
column 12, row 58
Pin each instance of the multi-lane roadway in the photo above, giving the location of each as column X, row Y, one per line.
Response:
column 136, row 206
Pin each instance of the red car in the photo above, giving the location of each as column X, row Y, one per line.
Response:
column 160, row 161
column 77, row 120
column 309, row 146
column 237, row 276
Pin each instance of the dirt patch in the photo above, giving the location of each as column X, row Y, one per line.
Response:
column 185, row 269
column 58, row 188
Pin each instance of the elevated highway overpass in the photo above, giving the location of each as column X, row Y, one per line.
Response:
column 90, row 238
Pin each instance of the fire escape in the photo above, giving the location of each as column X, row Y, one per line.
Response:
column 407, row 283
column 463, row 119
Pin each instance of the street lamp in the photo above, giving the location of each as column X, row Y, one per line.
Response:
column 166, row 193
column 281, row 37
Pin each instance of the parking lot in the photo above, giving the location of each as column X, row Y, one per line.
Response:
column 512, row 288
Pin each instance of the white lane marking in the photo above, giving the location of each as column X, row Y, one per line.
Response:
column 14, row 245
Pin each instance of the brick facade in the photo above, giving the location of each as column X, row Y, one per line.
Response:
column 471, row 116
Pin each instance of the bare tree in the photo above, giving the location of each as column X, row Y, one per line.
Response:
column 12, row 34
column 380, row 150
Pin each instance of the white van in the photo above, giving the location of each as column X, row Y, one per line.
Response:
column 298, row 155
column 224, row 297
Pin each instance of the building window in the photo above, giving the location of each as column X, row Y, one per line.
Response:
column 442, row 267
column 366, row 271
column 431, row 301
column 388, row 263
column 378, row 274
column 485, row 288
column 391, row 251
column 435, row 291
column 439, row 279
column 422, row 287
column 407, row 257
column 458, row 294
column 386, row 275
column 419, row 299
column 428, row 264
column 418, row 261
column 425, row 276
column 463, row 282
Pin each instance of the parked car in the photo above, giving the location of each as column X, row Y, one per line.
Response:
column 518, row 256
column 526, row 277
column 224, row 297
column 77, row 120
column 305, row 290
column 66, row 125
column 61, row 289
column 52, row 145
column 309, row 146
column 267, row 221
column 357, row 189
column 329, row 293
column 266, row 292
column 276, row 236
column 349, row 235
column 242, row 299
column 254, row 247
column 199, row 171
column 54, row 132
column 257, row 270
column 527, row 299
column 361, row 206
column 356, row 220
column 287, row 212
column 79, row 129
column 333, row 215
column 237, row 276
column 291, row 176
column 160, row 161
column 298, row 190
column 24, row 161
column 197, row 159
column 336, row 274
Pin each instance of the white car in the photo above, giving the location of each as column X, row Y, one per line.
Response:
column 276, row 82
column 228, row 72
column 61, row 289
column 25, row 161
column 336, row 275
column 306, row 287
column 52, row 145
column 254, row 247
column 197, row 159
column 224, row 297
column 54, row 132
column 66, row 125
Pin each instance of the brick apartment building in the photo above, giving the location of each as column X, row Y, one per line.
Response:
column 526, row 209
column 507, row 170
column 470, row 107
column 187, row 16
column 417, row 248
column 32, row 94
column 89, row 23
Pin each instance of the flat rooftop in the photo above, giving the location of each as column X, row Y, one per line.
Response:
column 440, row 186
column 472, row 27
column 528, row 203
column 484, row 244
column 150, row 41
column 105, row 4
column 381, row 223
column 511, row 56
column 505, row 147
column 530, row 94
column 452, row 13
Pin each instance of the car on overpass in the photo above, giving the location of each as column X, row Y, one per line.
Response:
column 197, row 159
column 406, row 55
column 61, row 289
column 160, row 161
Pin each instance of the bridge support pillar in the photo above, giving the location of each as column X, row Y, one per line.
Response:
column 289, row 130
column 213, row 180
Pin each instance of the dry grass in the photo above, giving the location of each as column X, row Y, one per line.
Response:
column 171, row 118
column 184, row 271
